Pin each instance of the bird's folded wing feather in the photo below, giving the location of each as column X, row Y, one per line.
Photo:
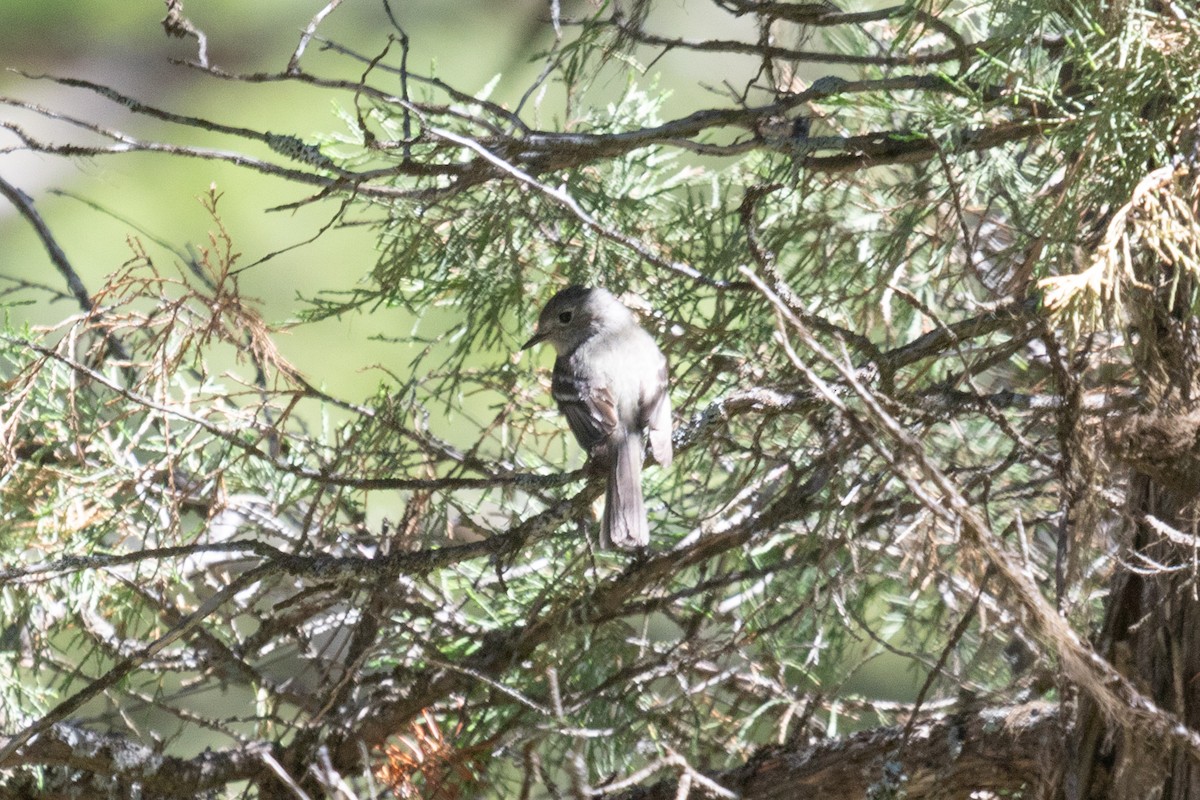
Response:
column 656, row 418
column 590, row 410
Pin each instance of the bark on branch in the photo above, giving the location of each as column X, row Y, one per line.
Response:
column 1002, row 750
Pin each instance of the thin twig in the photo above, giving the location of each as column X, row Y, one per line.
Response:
column 24, row 204
column 309, row 31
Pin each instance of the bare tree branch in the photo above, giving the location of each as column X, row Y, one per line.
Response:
column 1013, row 749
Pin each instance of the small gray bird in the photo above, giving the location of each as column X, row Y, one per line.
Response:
column 610, row 381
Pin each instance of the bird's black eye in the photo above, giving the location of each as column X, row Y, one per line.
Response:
column 564, row 317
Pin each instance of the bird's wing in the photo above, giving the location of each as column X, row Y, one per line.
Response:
column 590, row 410
column 656, row 416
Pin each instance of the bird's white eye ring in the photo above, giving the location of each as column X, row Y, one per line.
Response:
column 564, row 317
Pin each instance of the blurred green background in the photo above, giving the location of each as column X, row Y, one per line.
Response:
column 123, row 45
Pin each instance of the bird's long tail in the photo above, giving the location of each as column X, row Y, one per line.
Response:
column 624, row 524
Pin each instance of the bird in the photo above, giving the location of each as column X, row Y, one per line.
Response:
column 610, row 381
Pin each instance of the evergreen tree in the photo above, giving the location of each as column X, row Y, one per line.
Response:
column 926, row 277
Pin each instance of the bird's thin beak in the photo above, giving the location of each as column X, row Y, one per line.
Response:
column 537, row 337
